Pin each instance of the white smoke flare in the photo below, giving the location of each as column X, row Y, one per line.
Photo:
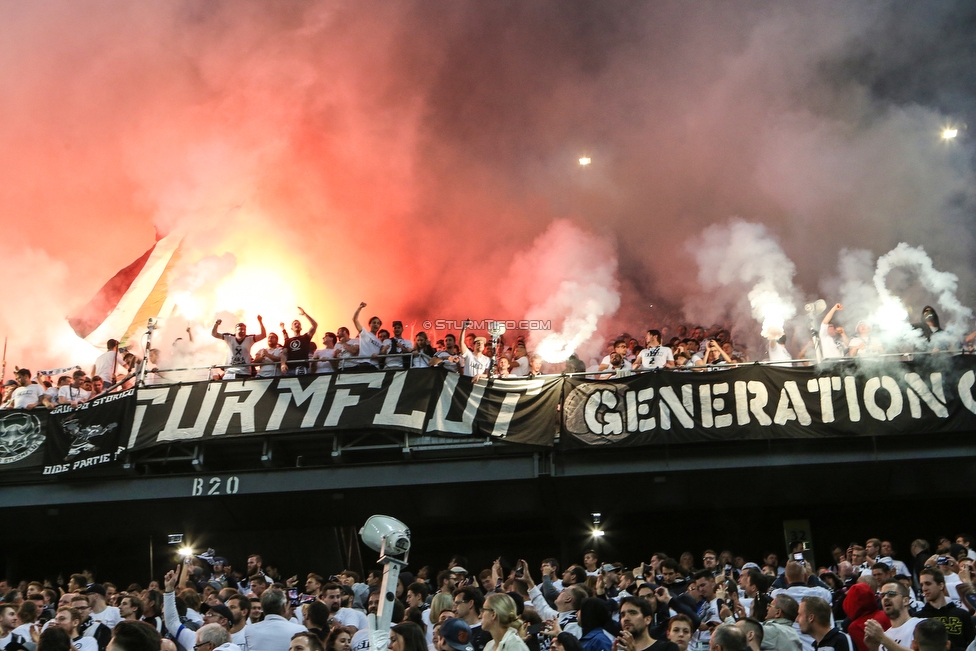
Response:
column 892, row 317
column 573, row 283
column 741, row 253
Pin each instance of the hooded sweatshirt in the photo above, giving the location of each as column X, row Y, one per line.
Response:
column 860, row 605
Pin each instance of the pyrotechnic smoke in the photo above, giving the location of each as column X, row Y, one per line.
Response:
column 402, row 153
column 569, row 277
column 892, row 316
column 742, row 258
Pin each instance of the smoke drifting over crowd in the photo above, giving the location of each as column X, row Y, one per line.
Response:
column 422, row 156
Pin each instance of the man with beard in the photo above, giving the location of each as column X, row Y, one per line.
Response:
column 298, row 346
column 27, row 395
column 635, row 620
column 270, row 356
column 238, row 348
column 397, row 344
column 894, row 600
column 331, row 595
column 239, row 607
column 450, row 358
column 88, row 627
column 567, row 603
column 68, row 619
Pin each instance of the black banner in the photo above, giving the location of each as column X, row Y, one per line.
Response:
column 23, row 433
column 421, row 401
column 869, row 398
column 88, row 438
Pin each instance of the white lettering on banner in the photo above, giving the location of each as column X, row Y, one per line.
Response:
column 344, row 398
column 156, row 397
column 388, row 416
column 744, row 405
column 439, row 421
column 214, row 486
column 514, row 390
column 791, row 406
column 255, row 390
column 684, row 410
column 172, row 430
column 825, row 386
column 612, row 423
column 637, row 406
column 315, row 393
column 965, row 388
column 853, row 406
column 710, row 405
column 871, row 388
column 918, row 392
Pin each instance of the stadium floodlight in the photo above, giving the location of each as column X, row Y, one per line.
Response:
column 391, row 538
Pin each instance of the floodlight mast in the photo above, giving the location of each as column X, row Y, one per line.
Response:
column 379, row 532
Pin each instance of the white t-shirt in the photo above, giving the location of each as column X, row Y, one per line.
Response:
column 110, row 616
column 85, row 643
column 369, row 345
column 324, row 354
column 351, row 617
column 447, row 363
column 396, row 361
column 23, row 396
column 475, row 364
column 345, row 350
column 360, row 641
column 828, row 346
column 870, row 346
column 520, row 367
column 656, row 357
column 106, row 363
column 778, row 353
column 903, row 634
column 4, row 641
column 72, row 394
column 270, row 370
column 238, row 352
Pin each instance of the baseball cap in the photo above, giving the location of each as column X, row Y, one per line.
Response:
column 219, row 609
column 750, row 565
column 457, row 634
column 481, row 339
column 609, row 567
column 24, row 371
column 457, row 569
column 10, row 383
column 887, row 560
column 219, row 560
column 95, row 588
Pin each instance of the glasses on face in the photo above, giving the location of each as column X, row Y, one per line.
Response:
column 197, row 646
column 488, row 610
column 891, row 593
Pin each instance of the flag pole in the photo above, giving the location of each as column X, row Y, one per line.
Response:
column 3, row 374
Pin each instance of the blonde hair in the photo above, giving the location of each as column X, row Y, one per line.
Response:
column 504, row 607
column 442, row 601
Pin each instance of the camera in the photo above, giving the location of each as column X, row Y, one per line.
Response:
column 943, row 560
column 798, row 557
column 519, row 572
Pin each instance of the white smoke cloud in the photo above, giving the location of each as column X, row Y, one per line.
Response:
column 743, row 258
column 892, row 316
column 569, row 277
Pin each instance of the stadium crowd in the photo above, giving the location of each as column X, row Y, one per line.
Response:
column 865, row 600
column 684, row 348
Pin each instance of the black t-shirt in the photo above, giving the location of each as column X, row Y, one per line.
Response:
column 297, row 348
column 835, row 640
column 662, row 645
column 958, row 623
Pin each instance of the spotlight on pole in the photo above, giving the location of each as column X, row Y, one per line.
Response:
column 391, row 538
column 947, row 134
column 584, row 161
column 597, row 532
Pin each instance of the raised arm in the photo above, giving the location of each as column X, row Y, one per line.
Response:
column 464, row 346
column 264, row 331
column 214, row 333
column 830, row 313
column 355, row 317
column 315, row 324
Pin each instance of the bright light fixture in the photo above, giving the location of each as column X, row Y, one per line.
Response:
column 947, row 134
column 585, row 160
